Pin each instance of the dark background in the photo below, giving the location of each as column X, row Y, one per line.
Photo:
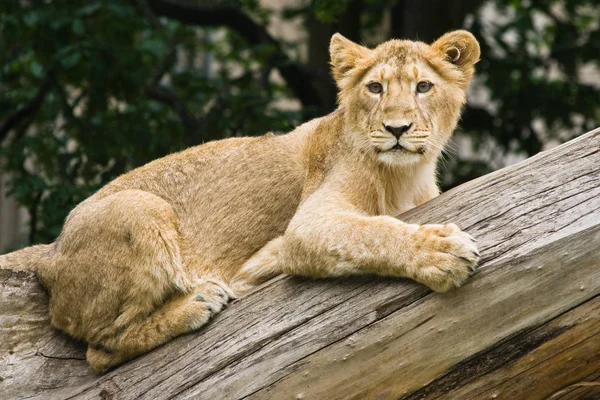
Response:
column 90, row 89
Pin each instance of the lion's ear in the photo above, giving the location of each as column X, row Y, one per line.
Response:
column 459, row 48
column 344, row 55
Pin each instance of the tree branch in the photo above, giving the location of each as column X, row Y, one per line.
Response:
column 168, row 97
column 170, row 58
column 162, row 94
column 29, row 109
column 229, row 14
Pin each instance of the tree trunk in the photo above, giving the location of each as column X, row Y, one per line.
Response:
column 525, row 327
column 428, row 20
column 319, row 35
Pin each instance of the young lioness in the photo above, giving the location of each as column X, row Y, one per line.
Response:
column 158, row 251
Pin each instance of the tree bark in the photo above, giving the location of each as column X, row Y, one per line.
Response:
column 526, row 326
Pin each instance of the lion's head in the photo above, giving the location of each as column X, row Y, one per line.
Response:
column 403, row 98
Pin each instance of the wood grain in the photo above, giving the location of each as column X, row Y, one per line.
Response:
column 526, row 327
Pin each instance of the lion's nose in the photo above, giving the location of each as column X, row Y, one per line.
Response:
column 397, row 130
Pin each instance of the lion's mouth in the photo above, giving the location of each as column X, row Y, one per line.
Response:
column 399, row 148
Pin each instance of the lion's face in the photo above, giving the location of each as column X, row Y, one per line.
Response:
column 403, row 99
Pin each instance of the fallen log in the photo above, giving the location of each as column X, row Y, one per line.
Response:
column 527, row 326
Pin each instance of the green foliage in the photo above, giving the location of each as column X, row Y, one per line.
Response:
column 531, row 66
column 329, row 11
column 97, row 119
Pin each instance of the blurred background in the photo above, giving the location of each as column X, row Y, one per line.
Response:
column 92, row 88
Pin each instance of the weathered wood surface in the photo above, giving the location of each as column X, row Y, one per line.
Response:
column 527, row 326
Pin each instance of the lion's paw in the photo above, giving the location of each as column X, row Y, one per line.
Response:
column 445, row 256
column 214, row 295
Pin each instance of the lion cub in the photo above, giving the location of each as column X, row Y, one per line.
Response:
column 158, row 251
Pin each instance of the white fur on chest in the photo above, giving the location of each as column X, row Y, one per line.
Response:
column 403, row 191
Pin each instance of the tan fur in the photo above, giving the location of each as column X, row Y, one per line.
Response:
column 158, row 251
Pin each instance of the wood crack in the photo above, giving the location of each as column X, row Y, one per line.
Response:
column 39, row 353
column 345, row 337
column 500, row 355
column 260, row 344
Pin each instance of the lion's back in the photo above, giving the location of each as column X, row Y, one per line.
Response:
column 231, row 196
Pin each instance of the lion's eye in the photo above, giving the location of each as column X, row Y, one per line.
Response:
column 375, row 87
column 424, row 86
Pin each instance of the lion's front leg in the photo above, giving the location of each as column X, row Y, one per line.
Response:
column 321, row 241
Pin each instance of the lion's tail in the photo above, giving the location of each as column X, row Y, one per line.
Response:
column 27, row 259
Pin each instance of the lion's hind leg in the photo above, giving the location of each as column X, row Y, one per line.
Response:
column 181, row 314
column 118, row 280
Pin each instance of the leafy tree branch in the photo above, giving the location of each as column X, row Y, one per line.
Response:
column 30, row 109
column 231, row 15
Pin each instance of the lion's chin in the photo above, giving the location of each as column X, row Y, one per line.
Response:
column 399, row 157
